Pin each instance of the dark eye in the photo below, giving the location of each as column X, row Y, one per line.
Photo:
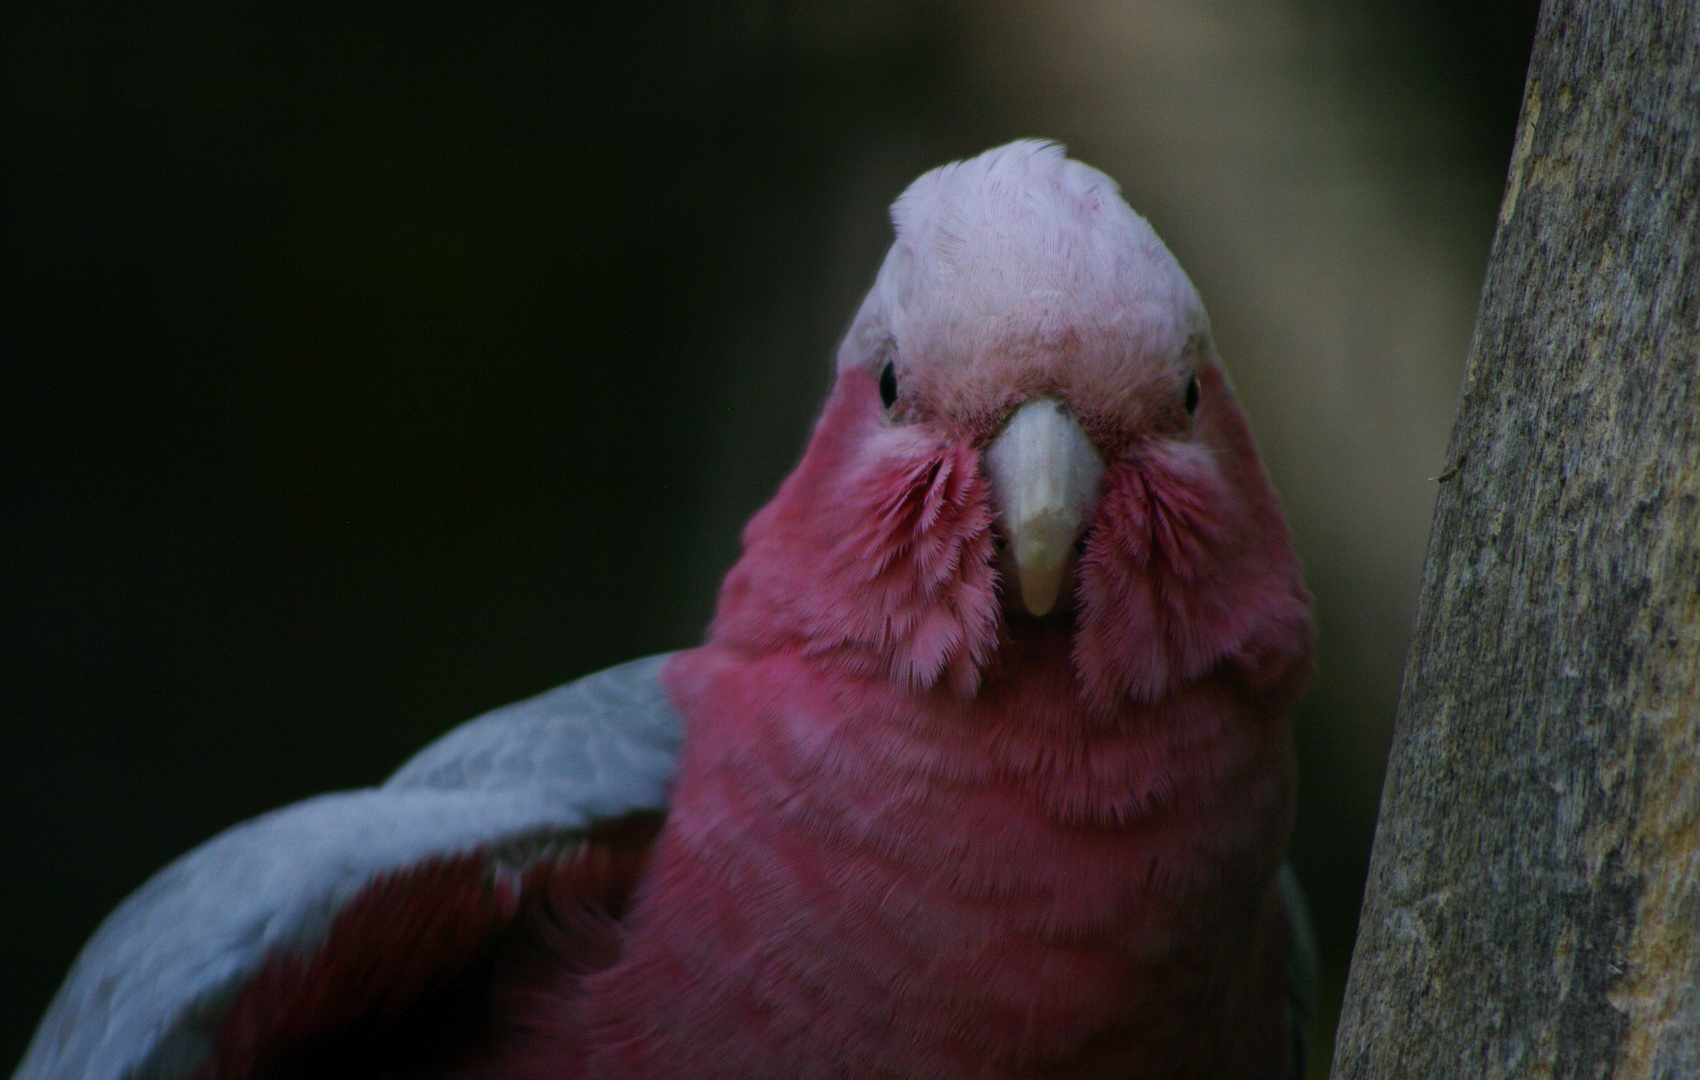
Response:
column 1192, row 395
column 888, row 384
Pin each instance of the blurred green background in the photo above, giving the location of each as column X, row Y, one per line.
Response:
column 367, row 366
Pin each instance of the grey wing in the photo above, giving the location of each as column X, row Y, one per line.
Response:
column 1301, row 973
column 146, row 996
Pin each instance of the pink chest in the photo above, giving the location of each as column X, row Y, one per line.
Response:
column 853, row 882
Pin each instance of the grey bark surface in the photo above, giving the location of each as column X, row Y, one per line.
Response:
column 1533, row 903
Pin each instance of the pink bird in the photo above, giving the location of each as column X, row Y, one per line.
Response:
column 985, row 769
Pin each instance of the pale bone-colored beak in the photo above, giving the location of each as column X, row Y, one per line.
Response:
column 1045, row 474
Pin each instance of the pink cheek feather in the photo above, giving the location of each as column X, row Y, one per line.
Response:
column 1189, row 566
column 876, row 552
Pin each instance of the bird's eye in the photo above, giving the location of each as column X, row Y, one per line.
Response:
column 888, row 384
column 1192, row 395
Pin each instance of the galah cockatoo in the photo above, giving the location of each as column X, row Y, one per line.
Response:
column 985, row 769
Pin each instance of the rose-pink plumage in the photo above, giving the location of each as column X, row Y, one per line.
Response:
column 916, row 835
column 987, row 768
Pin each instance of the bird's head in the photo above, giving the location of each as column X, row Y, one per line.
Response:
column 1030, row 423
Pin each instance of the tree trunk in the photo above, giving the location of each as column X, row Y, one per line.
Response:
column 1533, row 904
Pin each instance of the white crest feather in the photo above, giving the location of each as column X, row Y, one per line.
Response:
column 1023, row 240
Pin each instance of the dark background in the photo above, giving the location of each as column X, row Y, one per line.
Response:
column 367, row 366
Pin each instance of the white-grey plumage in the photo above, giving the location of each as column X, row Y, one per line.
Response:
column 147, row 994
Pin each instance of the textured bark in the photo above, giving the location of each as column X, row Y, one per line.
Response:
column 1533, row 905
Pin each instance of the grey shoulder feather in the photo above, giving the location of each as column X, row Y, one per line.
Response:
column 145, row 998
